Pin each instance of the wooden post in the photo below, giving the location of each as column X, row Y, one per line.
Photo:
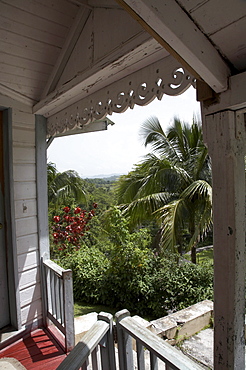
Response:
column 224, row 132
column 108, row 352
column 68, row 310
column 124, row 343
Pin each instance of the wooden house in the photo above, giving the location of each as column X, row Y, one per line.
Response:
column 64, row 66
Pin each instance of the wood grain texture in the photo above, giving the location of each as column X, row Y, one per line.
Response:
column 38, row 351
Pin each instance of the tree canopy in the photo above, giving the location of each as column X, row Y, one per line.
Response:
column 171, row 185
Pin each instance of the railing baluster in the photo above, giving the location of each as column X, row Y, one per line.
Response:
column 52, row 290
column 85, row 365
column 153, row 361
column 140, row 356
column 95, row 358
column 61, row 301
column 57, row 298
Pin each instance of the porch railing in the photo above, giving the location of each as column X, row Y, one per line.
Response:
column 97, row 349
column 58, row 300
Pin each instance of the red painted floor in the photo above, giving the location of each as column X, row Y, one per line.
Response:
column 36, row 351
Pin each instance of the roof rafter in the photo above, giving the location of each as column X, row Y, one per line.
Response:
column 67, row 49
column 168, row 23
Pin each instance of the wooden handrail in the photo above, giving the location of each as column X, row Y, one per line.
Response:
column 128, row 328
column 100, row 335
column 58, row 300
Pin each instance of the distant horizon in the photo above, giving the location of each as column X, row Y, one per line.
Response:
column 104, row 176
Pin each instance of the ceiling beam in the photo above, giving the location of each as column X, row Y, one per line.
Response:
column 169, row 24
column 72, row 38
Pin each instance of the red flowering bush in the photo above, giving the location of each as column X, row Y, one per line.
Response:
column 70, row 227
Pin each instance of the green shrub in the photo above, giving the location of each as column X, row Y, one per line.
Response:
column 176, row 286
column 89, row 266
column 134, row 278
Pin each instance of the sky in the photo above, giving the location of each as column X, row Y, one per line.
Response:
column 117, row 149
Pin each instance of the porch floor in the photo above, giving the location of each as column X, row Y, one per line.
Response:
column 37, row 350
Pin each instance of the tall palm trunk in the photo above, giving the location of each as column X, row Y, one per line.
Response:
column 193, row 254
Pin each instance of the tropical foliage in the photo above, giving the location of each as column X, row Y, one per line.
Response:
column 128, row 274
column 171, row 185
column 64, row 185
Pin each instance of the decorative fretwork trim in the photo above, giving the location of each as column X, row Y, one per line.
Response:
column 141, row 87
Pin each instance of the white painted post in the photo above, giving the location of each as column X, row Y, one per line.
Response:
column 124, row 343
column 224, row 132
column 68, row 309
column 108, row 352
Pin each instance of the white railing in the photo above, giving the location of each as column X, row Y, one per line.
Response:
column 129, row 329
column 58, row 300
column 97, row 350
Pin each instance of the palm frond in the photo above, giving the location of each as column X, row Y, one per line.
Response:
column 172, row 218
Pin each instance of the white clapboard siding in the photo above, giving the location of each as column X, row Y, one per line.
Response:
column 26, row 90
column 25, row 208
column 24, row 155
column 27, row 243
column 24, row 190
column 26, row 226
column 25, row 172
column 29, row 278
column 30, row 294
column 24, row 177
column 31, row 312
column 24, row 135
column 27, row 261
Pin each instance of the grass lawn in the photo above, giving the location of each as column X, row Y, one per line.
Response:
column 206, row 255
column 82, row 308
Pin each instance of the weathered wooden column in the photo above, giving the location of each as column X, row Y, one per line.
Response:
column 224, row 133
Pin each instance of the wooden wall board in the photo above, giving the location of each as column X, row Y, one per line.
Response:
column 206, row 15
column 30, row 294
column 36, row 351
column 27, row 261
column 29, row 278
column 24, row 154
column 25, row 208
column 232, row 44
column 27, row 243
column 24, row 190
column 16, row 50
column 26, row 226
column 61, row 12
column 31, row 312
column 23, row 135
column 34, row 21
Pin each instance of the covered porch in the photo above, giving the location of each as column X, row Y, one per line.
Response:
column 67, row 64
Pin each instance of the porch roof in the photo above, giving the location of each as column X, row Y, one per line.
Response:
column 54, row 54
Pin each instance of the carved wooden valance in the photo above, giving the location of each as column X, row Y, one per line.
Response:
column 141, row 87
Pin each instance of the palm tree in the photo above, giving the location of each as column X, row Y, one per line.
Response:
column 172, row 184
column 62, row 185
